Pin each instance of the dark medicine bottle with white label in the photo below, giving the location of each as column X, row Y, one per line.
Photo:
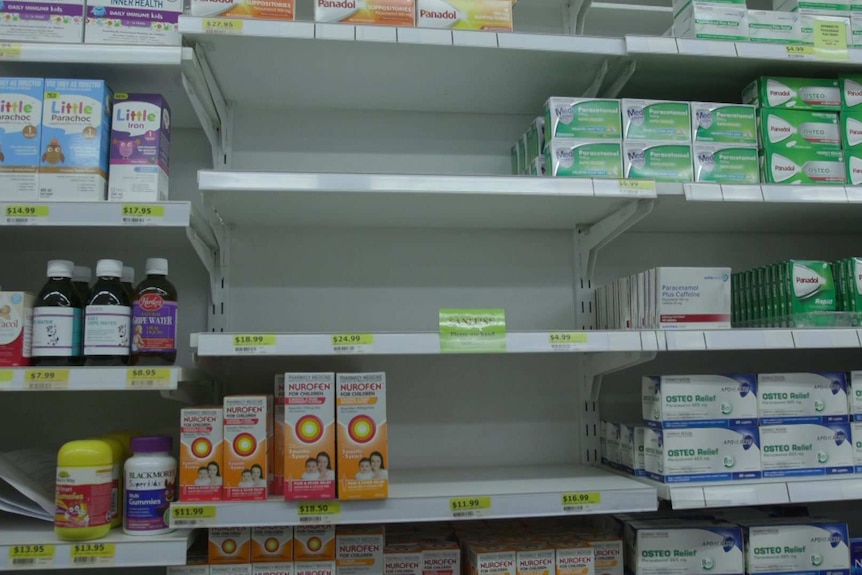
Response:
column 57, row 316
column 108, row 315
column 154, row 317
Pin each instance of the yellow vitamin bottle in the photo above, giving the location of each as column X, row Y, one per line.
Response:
column 124, row 437
column 83, row 496
column 118, row 459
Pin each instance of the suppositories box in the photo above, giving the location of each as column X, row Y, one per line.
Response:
column 362, row 436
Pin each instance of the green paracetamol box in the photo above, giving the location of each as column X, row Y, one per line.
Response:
column 584, row 158
column 727, row 123
column 514, row 155
column 810, row 286
column 656, row 120
column 800, row 166
column 582, row 118
column 535, row 140
column 725, row 164
column 660, row 161
column 799, row 129
column 799, row 93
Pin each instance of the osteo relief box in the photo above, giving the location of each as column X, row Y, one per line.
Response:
column 793, row 166
column 245, row 9
column 309, row 436
column 690, row 548
column 16, row 328
column 490, row 15
column 632, row 449
column 726, row 164
column 247, row 427
column 314, row 543
column 140, row 148
column 359, row 549
column 20, row 137
column 723, row 123
column 802, row 397
column 584, row 158
column 402, row 559
column 699, row 400
column 692, row 298
column 229, row 545
column 818, row 547
column 441, row 558
column 271, row 544
column 150, row 22
column 660, row 161
column 582, row 118
column 201, row 453
column 75, row 141
column 802, row 129
column 806, row 449
column 383, row 12
column 702, row 454
column 42, row 21
column 285, row 568
column 363, row 472
column 314, row 568
column 799, row 93
column 658, row 120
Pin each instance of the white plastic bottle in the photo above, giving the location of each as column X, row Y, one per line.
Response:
column 151, row 486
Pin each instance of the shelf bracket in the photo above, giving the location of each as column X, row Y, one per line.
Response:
column 214, row 113
column 577, row 16
column 602, row 364
column 622, row 73
column 595, row 237
column 593, row 90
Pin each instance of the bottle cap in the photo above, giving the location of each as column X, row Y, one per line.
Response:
column 60, row 268
column 128, row 275
column 109, row 268
column 152, row 444
column 82, row 274
column 157, row 266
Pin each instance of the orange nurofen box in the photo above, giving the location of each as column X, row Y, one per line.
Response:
column 314, row 568
column 402, row 559
column 383, row 12
column 537, row 558
column 245, row 9
column 229, row 545
column 574, row 556
column 272, row 568
column 608, row 550
column 359, row 549
column 309, row 436
column 271, row 544
column 491, row 559
column 201, row 453
column 247, row 431
column 441, row 558
column 362, row 436
column 277, row 485
column 314, row 543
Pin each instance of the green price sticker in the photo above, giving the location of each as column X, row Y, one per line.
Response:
column 46, row 379
column 797, row 51
column 562, row 340
column 7, row 376
column 472, row 330
column 253, row 343
column 222, row 26
column 148, row 378
column 20, row 212
column 352, row 342
column 318, row 512
column 31, row 556
column 470, row 506
column 92, row 554
column 193, row 515
column 627, row 185
column 140, row 213
column 580, row 501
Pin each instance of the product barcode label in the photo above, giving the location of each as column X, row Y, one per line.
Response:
column 46, row 379
column 566, row 340
column 10, row 50
column 222, row 26
column 25, row 214
column 322, row 513
column 31, row 556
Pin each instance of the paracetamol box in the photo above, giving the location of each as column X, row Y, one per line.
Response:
column 799, row 129
column 201, row 453
column 805, row 449
column 771, row 26
column 314, row 543
column 309, row 436
column 314, row 568
column 383, row 12
column 283, row 568
column 851, row 92
column 712, row 21
column 723, row 123
column 247, row 431
column 140, row 148
column 535, row 139
column 42, row 21
column 789, row 545
column 362, row 436
column 537, row 167
column 631, row 449
column 802, row 397
column 488, row 15
column 359, row 549
column 692, row 298
column 75, row 140
column 699, row 400
column 702, row 454
column 229, row 545
column 584, row 158
column 726, row 164
column 402, row 559
column 657, row 120
column 690, row 548
column 582, row 118
column 810, row 286
column 272, row 544
column 799, row 166
column 245, row 9
column 133, row 22
column 799, row 93
column 660, row 161
column 20, row 136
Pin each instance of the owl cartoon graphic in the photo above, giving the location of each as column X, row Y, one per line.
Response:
column 53, row 152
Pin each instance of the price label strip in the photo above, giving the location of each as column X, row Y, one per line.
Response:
column 581, row 501
column 141, row 213
column 7, row 376
column 10, row 50
column 470, row 507
column 93, row 554
column 31, row 556
column 627, row 185
column 252, row 344
column 18, row 214
column 472, row 330
column 46, row 379
column 148, row 378
column 567, row 340
column 193, row 515
column 353, row 343
column 319, row 513
column 222, row 26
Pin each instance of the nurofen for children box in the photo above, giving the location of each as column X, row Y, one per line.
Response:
column 608, row 551
column 584, row 158
column 798, row 93
column 686, row 548
column 486, row 15
column 534, row 558
column 42, row 21
column 315, row 568
column 402, row 559
column 383, row 12
column 201, row 453
column 359, row 549
column 690, row 298
column 140, row 148
column 657, row 120
column 20, row 136
column 75, row 140
column 801, row 129
column 133, row 22
column 285, row 568
column 573, row 556
column 441, row 558
column 229, row 545
column 362, row 436
column 271, row 544
column 247, row 431
column 805, row 449
column 802, row 397
column 16, row 328
column 796, row 545
column 314, row 543
column 660, row 161
column 702, row 454
column 309, row 436
column 699, row 400
column 582, row 118
column 491, row 559
column 723, row 123
column 726, row 164
column 245, row 9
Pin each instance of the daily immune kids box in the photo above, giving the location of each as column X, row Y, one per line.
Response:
column 271, row 544
column 75, row 140
column 201, row 453
column 383, row 12
column 582, row 118
column 245, row 9
column 803, row 449
column 314, row 543
column 229, row 545
column 247, row 427
column 20, row 136
column 702, row 454
column 699, row 400
column 309, row 436
column 362, row 436
column 802, row 397
column 465, row 14
column 140, row 148
column 42, row 21
column 134, row 22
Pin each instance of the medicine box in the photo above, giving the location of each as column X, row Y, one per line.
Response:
column 247, row 436
column 657, row 120
column 582, row 118
column 359, row 549
column 671, row 401
column 487, row 15
column 726, row 163
column 134, row 22
column 776, row 27
column 314, row 543
column 712, row 21
column 535, row 139
column 802, row 449
column 659, row 161
column 808, row 167
column 802, row 397
column 244, row 9
column 382, row 12
column 229, row 545
column 286, row 568
column 16, row 328
column 584, row 158
column 272, row 545
column 314, row 568
column 362, row 436
column 797, row 93
column 20, row 137
column 201, row 453
column 693, row 548
column 713, row 122
column 402, row 559
column 691, row 298
column 791, row 545
column 702, row 454
column 632, row 449
column 851, row 92
column 310, row 455
column 59, row 21
column 798, row 129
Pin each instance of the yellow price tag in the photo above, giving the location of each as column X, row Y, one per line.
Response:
column 830, row 40
column 318, row 512
column 148, row 378
column 627, row 185
column 222, row 26
column 581, row 500
column 193, row 515
column 46, row 379
column 92, row 554
column 132, row 213
column 797, row 51
column 6, row 375
column 565, row 339
column 52, row 95
column 470, row 506
column 26, row 211
column 31, row 556
column 253, row 343
column 352, row 342
column 10, row 50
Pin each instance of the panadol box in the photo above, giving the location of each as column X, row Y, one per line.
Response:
column 800, row 129
column 809, row 286
column 726, row 164
column 713, row 122
column 582, row 118
column 660, row 161
column 791, row 545
column 672, row 401
column 799, row 93
column 661, row 120
column 584, row 158
column 800, row 166
column 802, row 397
column 686, row 548
column 702, row 454
column 797, row 450
column 851, row 92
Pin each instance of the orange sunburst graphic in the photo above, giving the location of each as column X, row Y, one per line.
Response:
column 202, row 447
column 309, row 428
column 244, row 444
column 314, row 544
column 229, row 546
column 361, row 429
column 271, row 544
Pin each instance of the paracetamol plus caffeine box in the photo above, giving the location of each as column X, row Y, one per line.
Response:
column 702, row 454
column 582, row 118
column 796, row 545
column 362, row 436
column 726, row 163
column 314, row 543
column 75, row 140
column 584, row 158
column 801, row 166
column 285, row 568
column 247, row 430
column 383, row 12
column 660, row 161
column 309, row 436
column 133, row 22
column 689, row 548
column 201, row 453
column 229, row 545
column 810, row 286
column 670, row 401
column 723, row 123
column 245, row 9
column 488, row 15
column 42, row 21
column 271, row 544
column 798, row 93
column 692, row 298
column 140, row 148
column 359, row 549
column 20, row 137
column 801, row 129
column 802, row 397
column 805, row 449
column 656, row 120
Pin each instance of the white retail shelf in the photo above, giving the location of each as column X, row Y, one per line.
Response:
column 31, row 544
column 47, row 378
column 137, row 55
column 425, row 494
column 316, row 199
